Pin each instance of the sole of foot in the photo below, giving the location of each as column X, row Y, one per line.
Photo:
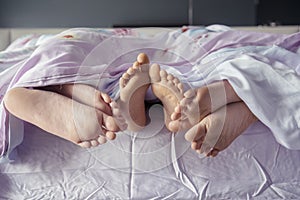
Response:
column 134, row 84
column 167, row 88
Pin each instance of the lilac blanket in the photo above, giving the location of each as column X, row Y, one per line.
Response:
column 262, row 68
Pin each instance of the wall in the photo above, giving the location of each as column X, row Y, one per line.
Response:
column 283, row 12
column 229, row 12
column 109, row 13
column 93, row 13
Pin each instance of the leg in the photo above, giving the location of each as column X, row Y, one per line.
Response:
column 133, row 87
column 218, row 130
column 61, row 116
column 167, row 89
column 198, row 103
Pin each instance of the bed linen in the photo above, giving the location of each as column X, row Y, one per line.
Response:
column 157, row 164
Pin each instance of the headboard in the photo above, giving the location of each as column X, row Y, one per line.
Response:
column 7, row 35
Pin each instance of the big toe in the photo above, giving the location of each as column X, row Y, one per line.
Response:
column 154, row 73
column 142, row 58
column 196, row 132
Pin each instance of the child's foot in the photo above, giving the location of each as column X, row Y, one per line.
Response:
column 218, row 130
column 167, row 89
column 133, row 87
column 198, row 103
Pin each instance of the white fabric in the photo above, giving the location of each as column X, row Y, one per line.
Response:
column 255, row 166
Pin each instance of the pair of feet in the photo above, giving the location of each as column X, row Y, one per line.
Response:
column 213, row 115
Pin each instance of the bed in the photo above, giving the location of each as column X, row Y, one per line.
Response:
column 254, row 166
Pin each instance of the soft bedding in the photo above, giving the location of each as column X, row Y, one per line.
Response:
column 155, row 164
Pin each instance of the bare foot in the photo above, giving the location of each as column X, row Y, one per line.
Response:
column 84, row 94
column 88, row 95
column 198, row 103
column 61, row 116
column 218, row 130
column 167, row 89
column 133, row 87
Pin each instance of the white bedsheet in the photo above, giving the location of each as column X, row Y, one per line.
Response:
column 255, row 166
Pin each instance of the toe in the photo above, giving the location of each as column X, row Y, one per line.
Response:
column 118, row 118
column 101, row 103
column 154, row 73
column 126, row 76
column 213, row 153
column 177, row 109
column 175, row 116
column 101, row 139
column 174, row 126
column 190, row 94
column 131, row 71
column 110, row 135
column 194, row 145
column 180, row 87
column 196, row 132
column 122, row 83
column 170, row 77
column 184, row 102
column 94, row 143
column 136, row 65
column 85, row 144
column 142, row 58
column 106, row 98
column 176, row 81
column 110, row 123
column 163, row 74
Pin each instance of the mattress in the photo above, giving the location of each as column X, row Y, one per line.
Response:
column 149, row 165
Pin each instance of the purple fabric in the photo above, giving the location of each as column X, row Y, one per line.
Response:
column 99, row 58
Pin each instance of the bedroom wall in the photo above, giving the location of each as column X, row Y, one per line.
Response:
column 229, row 12
column 110, row 13
column 284, row 12
column 93, row 13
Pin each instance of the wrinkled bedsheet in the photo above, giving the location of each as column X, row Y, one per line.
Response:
column 155, row 164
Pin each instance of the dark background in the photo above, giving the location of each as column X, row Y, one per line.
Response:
column 115, row 13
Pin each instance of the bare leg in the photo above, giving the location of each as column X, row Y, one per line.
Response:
column 133, row 87
column 198, row 103
column 218, row 130
column 61, row 116
column 167, row 89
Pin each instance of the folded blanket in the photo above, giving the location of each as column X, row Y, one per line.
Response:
column 262, row 68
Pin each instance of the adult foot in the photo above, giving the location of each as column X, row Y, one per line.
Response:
column 89, row 96
column 93, row 127
column 198, row 103
column 167, row 88
column 84, row 94
column 134, row 84
column 218, row 130
column 61, row 116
